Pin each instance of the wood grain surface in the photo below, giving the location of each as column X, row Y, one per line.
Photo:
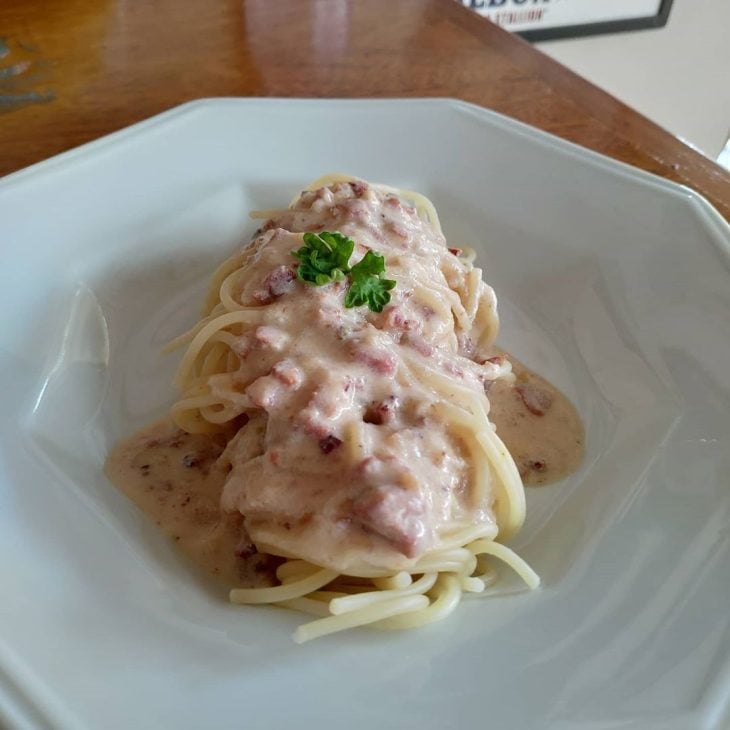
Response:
column 73, row 70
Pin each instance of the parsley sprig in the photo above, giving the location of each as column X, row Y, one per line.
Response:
column 325, row 257
column 368, row 285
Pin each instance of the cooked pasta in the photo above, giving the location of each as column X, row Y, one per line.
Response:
column 372, row 469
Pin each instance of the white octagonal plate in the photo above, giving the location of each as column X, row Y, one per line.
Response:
column 612, row 282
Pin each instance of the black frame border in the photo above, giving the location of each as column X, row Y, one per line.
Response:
column 611, row 26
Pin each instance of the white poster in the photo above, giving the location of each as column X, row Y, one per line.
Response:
column 519, row 15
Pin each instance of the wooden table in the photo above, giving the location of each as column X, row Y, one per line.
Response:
column 72, row 70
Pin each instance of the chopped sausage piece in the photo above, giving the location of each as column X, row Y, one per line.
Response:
column 288, row 373
column 329, row 316
column 357, row 210
column 394, row 513
column 536, row 400
column 276, row 284
column 246, row 549
column 378, row 359
column 271, row 337
column 242, row 346
column 329, row 443
column 317, row 417
column 419, row 344
column 190, row 461
column 397, row 229
column 336, row 211
column 264, row 392
column 313, row 423
column 394, row 317
column 496, row 360
column 280, row 280
column 525, row 466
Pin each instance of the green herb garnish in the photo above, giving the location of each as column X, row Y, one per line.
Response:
column 325, row 257
column 368, row 285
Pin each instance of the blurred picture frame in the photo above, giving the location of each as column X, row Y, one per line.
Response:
column 543, row 20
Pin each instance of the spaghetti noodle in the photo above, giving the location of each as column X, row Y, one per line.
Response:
column 363, row 455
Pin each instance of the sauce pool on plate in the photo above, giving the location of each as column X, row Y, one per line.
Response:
column 176, row 479
column 539, row 426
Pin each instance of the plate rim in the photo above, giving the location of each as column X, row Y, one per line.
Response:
column 719, row 226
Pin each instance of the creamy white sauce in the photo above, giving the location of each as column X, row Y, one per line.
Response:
column 345, row 460
column 358, row 470
column 546, row 444
column 176, row 478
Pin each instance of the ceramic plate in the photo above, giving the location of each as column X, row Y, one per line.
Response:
column 612, row 283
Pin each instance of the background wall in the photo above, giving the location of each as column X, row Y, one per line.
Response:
column 678, row 76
